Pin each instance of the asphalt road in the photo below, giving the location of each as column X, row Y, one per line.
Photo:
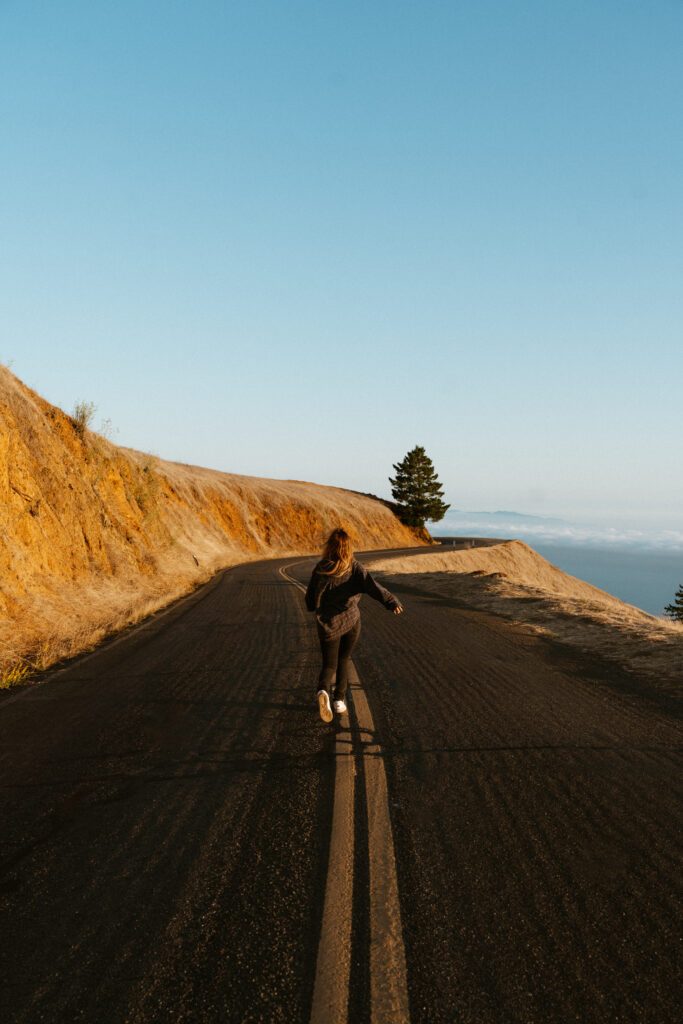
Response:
column 167, row 810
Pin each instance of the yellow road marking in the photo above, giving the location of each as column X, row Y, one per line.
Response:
column 388, row 983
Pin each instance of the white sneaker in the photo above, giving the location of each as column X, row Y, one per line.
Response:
column 339, row 706
column 324, row 706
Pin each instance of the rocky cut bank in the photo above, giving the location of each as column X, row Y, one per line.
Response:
column 94, row 536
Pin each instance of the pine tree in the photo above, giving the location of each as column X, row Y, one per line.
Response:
column 417, row 489
column 675, row 610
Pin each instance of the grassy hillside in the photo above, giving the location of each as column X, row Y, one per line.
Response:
column 94, row 536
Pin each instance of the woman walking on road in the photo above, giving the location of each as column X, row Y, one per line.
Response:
column 334, row 592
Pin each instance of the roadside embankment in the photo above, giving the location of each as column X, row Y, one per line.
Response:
column 512, row 580
column 94, row 537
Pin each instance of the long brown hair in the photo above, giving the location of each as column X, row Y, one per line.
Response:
column 337, row 554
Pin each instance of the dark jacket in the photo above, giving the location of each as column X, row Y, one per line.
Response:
column 335, row 599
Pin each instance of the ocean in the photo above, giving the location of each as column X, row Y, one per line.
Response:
column 648, row 579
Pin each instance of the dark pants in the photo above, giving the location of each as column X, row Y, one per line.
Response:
column 336, row 654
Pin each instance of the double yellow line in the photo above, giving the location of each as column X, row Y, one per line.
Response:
column 388, row 985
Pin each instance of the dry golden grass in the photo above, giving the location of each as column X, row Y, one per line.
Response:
column 59, row 626
column 94, row 537
column 515, row 582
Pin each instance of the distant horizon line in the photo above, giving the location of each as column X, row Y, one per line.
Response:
column 535, row 528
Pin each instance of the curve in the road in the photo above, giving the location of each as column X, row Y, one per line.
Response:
column 388, row 984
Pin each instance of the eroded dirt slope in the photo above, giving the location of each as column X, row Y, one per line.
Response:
column 93, row 536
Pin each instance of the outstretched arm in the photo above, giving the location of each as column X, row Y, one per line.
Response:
column 380, row 593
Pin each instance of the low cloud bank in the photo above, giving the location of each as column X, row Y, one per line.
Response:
column 529, row 528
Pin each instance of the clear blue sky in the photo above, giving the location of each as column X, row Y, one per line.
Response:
column 296, row 239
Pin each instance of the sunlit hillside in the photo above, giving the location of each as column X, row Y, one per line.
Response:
column 94, row 536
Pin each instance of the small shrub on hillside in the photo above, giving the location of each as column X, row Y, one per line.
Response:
column 82, row 416
column 108, row 430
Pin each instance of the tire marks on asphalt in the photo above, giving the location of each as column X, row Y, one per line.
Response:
column 536, row 832
column 167, row 814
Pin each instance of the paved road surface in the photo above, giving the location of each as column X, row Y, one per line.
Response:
column 167, row 811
